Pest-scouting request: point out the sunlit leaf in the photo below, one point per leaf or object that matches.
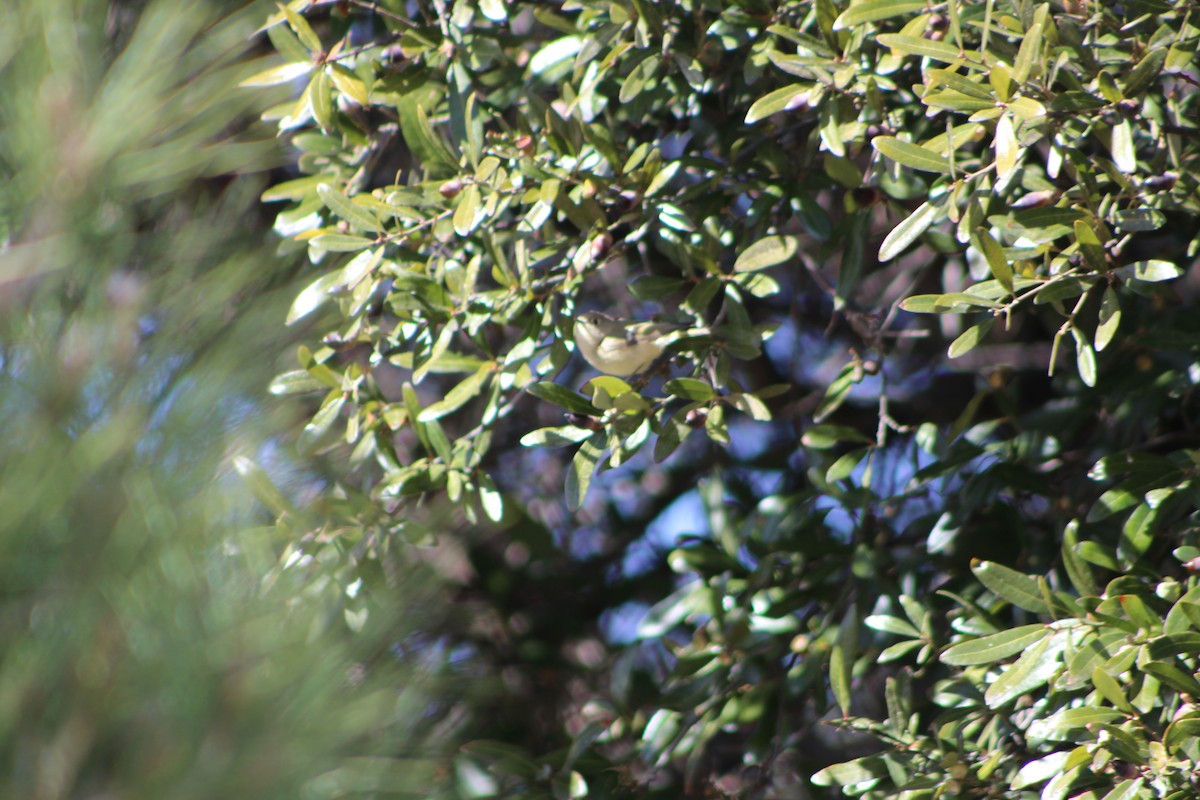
(911, 155)
(766, 253)
(996, 647)
(904, 234)
(873, 11)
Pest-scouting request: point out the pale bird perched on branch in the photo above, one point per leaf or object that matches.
(620, 347)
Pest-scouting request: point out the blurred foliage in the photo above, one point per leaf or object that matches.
(926, 447)
(152, 643)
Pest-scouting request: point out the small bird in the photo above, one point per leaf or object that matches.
(620, 347)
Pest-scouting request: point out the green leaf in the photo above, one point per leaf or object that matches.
(1174, 676)
(287, 44)
(1006, 148)
(295, 382)
(674, 431)
(1125, 790)
(1108, 320)
(638, 78)
(303, 30)
(839, 389)
(340, 243)
(1139, 220)
(873, 11)
(323, 419)
(898, 650)
(911, 155)
(961, 84)
(1061, 724)
(702, 294)
(563, 397)
(952, 303)
(1090, 245)
(1078, 571)
(420, 136)
(917, 613)
(766, 253)
(962, 102)
(917, 46)
(776, 101)
(347, 209)
(841, 469)
(841, 660)
(997, 261)
(1180, 732)
(1098, 554)
(823, 437)
(466, 215)
(661, 178)
(1017, 588)
(907, 232)
(349, 84)
(1085, 358)
(1029, 54)
(583, 467)
(555, 437)
(1174, 644)
(690, 389)
(1039, 770)
(490, 499)
(555, 52)
(1036, 666)
(457, 397)
(655, 287)
(1150, 271)
(890, 624)
(313, 296)
(262, 487)
(1046, 216)
(1146, 72)
(969, 338)
(1121, 145)
(850, 773)
(1108, 687)
(320, 99)
(297, 189)
(284, 73)
(495, 11)
(993, 648)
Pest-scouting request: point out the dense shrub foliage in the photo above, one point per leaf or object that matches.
(912, 503)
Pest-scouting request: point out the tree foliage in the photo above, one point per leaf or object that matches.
(925, 446)
(152, 645)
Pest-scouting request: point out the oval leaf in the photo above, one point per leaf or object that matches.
(995, 647)
(1016, 587)
(766, 253)
(911, 155)
(907, 231)
(774, 102)
(873, 11)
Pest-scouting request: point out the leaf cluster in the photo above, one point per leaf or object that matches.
(971, 186)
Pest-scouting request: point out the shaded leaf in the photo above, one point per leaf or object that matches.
(563, 397)
(583, 467)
